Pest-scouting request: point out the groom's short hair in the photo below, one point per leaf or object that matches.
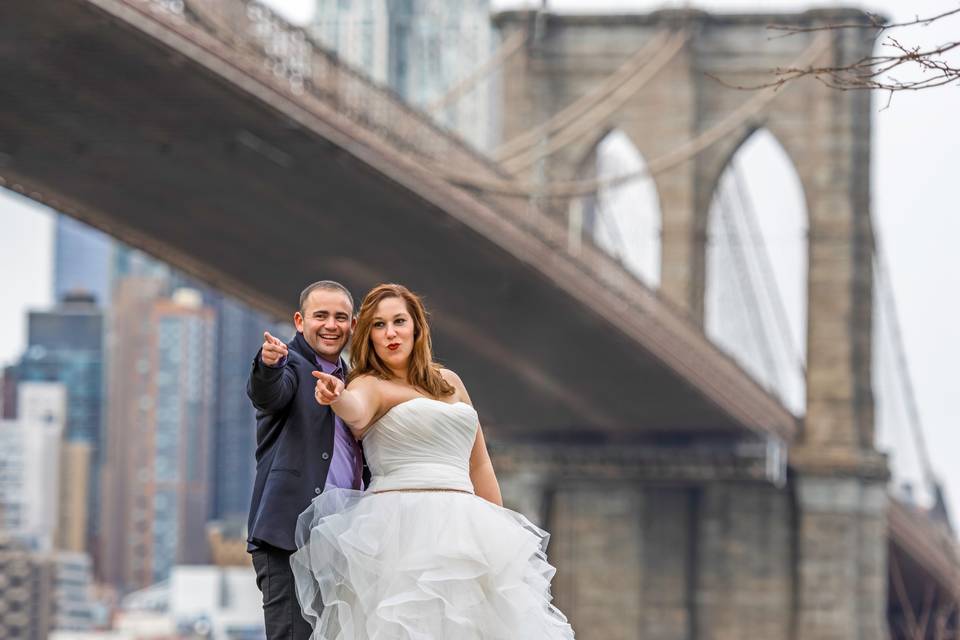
(329, 285)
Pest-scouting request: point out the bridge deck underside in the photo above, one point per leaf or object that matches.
(924, 588)
(116, 129)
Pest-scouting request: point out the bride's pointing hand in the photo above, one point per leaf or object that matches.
(328, 387)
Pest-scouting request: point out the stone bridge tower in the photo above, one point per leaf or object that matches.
(641, 557)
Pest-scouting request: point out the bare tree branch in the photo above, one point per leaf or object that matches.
(926, 68)
(876, 21)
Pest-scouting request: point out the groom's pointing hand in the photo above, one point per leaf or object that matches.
(273, 350)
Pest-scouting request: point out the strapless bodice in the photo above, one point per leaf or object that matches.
(422, 443)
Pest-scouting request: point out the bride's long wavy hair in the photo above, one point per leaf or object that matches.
(422, 371)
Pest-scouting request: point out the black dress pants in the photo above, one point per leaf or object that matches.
(281, 610)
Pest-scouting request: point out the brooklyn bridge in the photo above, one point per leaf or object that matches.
(686, 499)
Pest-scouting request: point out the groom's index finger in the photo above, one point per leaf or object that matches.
(267, 337)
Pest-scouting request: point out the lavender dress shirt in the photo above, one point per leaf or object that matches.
(346, 467)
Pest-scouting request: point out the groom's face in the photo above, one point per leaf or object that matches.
(326, 321)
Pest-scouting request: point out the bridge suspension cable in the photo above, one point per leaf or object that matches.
(765, 268)
(746, 315)
(746, 284)
(603, 216)
(601, 109)
(734, 121)
(900, 369)
(507, 50)
(523, 143)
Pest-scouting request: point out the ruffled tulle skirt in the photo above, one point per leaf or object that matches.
(423, 566)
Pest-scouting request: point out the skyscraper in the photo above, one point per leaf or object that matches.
(82, 259)
(87, 260)
(74, 521)
(128, 262)
(239, 334)
(65, 345)
(121, 555)
(421, 49)
(182, 448)
(73, 608)
(42, 592)
(8, 392)
(158, 473)
(29, 477)
(13, 492)
(27, 592)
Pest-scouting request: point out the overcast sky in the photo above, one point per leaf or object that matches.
(914, 171)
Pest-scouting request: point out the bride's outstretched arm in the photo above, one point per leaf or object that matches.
(356, 405)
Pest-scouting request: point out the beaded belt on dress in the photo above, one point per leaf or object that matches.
(420, 490)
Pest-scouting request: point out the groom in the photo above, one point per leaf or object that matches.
(302, 446)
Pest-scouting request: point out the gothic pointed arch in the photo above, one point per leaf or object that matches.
(755, 297)
(624, 220)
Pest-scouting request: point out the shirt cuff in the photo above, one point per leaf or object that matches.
(279, 365)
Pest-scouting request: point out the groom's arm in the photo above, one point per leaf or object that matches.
(271, 387)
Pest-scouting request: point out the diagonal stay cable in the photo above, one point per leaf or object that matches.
(594, 117)
(689, 149)
(745, 281)
(766, 269)
(507, 49)
(906, 386)
(569, 114)
(606, 215)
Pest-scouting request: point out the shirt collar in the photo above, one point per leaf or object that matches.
(326, 366)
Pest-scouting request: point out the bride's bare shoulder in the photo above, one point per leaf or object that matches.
(450, 375)
(460, 391)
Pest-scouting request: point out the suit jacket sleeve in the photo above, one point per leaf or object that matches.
(271, 388)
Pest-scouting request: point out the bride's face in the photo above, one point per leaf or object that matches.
(392, 332)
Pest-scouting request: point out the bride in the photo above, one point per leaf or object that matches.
(427, 552)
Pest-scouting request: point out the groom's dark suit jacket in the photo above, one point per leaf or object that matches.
(295, 438)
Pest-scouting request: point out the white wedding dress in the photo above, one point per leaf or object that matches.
(422, 565)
